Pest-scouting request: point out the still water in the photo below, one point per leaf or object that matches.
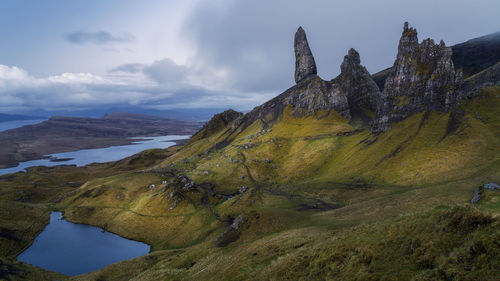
(73, 249)
(98, 155)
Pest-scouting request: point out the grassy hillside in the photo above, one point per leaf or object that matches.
(325, 148)
(319, 198)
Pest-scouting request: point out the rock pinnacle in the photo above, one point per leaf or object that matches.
(305, 65)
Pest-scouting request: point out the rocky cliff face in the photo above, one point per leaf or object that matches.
(305, 66)
(423, 78)
(355, 81)
(351, 92)
(317, 94)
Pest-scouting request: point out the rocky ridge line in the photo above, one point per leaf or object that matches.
(423, 78)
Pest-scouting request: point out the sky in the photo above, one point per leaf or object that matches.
(197, 54)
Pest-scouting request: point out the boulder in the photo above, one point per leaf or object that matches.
(491, 186)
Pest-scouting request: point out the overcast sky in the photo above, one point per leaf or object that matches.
(164, 54)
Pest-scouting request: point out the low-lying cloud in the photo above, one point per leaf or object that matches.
(129, 67)
(98, 38)
(161, 85)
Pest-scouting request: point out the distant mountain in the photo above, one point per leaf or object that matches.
(477, 54)
(13, 117)
(191, 114)
(62, 133)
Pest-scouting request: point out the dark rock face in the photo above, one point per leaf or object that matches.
(315, 95)
(380, 77)
(423, 78)
(305, 98)
(470, 57)
(305, 65)
(355, 81)
(353, 89)
(477, 54)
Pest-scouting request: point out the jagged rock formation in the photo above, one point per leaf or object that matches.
(305, 98)
(423, 78)
(305, 66)
(471, 57)
(315, 95)
(351, 92)
(354, 80)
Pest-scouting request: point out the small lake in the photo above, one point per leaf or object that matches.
(74, 249)
(98, 155)
(7, 125)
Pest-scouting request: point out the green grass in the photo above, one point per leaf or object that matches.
(322, 200)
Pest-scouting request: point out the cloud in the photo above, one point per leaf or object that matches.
(166, 71)
(227, 53)
(175, 76)
(129, 68)
(253, 40)
(160, 85)
(98, 38)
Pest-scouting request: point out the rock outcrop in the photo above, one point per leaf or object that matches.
(423, 78)
(352, 91)
(305, 98)
(491, 186)
(476, 195)
(470, 57)
(318, 94)
(230, 234)
(356, 82)
(305, 66)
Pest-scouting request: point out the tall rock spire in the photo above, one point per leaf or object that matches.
(305, 65)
